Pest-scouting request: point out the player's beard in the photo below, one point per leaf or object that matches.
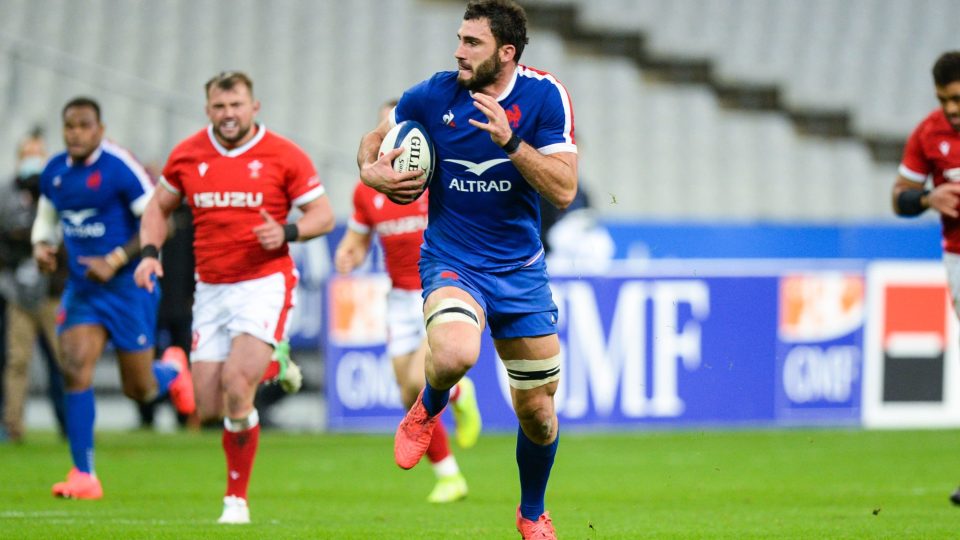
(242, 132)
(484, 74)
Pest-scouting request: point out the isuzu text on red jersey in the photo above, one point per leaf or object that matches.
(400, 227)
(227, 189)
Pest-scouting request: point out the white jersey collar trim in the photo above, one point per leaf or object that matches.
(234, 152)
(506, 91)
(91, 159)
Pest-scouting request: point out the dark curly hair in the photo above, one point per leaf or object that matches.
(508, 21)
(947, 68)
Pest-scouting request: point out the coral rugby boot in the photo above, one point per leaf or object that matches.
(79, 485)
(541, 529)
(181, 388)
(414, 434)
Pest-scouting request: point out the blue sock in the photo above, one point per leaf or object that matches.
(165, 374)
(434, 400)
(534, 462)
(81, 411)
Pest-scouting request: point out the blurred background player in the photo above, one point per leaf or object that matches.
(31, 298)
(241, 181)
(933, 151)
(503, 135)
(98, 191)
(400, 229)
(174, 318)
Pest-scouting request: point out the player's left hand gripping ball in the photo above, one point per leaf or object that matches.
(417, 154)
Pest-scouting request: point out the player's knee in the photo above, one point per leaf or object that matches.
(538, 424)
(446, 370)
(450, 358)
(140, 391)
(75, 374)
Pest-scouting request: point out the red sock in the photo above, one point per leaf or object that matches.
(455, 393)
(240, 448)
(439, 445)
(273, 369)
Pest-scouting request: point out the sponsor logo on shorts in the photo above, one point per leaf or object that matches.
(449, 274)
(195, 339)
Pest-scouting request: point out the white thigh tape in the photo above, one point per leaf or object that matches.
(452, 310)
(527, 374)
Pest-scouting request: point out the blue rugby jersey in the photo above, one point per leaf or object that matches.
(99, 203)
(482, 212)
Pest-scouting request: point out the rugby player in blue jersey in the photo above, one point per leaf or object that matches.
(93, 194)
(503, 135)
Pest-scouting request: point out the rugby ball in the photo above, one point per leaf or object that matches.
(417, 152)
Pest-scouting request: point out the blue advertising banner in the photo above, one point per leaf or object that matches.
(639, 349)
(820, 348)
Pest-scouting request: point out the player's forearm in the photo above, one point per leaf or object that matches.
(351, 251)
(317, 220)
(553, 177)
(153, 226)
(45, 224)
(369, 148)
(121, 255)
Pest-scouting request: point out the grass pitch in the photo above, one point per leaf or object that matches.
(735, 485)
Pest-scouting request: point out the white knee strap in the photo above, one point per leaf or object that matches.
(528, 374)
(236, 425)
(451, 310)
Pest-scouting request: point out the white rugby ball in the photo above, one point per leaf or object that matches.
(417, 152)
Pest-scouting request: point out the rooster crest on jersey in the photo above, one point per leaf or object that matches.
(417, 152)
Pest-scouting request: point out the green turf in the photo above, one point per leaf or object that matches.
(736, 485)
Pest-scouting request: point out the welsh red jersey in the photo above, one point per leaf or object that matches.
(226, 190)
(934, 149)
(400, 228)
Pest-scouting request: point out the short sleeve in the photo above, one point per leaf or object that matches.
(171, 178)
(410, 105)
(361, 220)
(303, 182)
(136, 186)
(555, 131)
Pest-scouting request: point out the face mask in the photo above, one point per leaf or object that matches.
(30, 166)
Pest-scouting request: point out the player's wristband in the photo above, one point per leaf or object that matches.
(150, 251)
(117, 258)
(910, 202)
(291, 232)
(512, 145)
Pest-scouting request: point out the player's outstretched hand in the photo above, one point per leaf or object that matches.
(98, 269)
(270, 232)
(498, 126)
(143, 275)
(46, 257)
(381, 176)
(945, 199)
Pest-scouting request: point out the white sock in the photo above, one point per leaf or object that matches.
(446, 467)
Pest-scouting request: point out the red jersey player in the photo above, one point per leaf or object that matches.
(933, 151)
(400, 228)
(240, 180)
